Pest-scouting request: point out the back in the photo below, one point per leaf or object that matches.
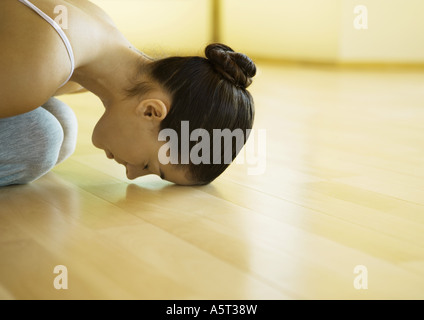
(33, 60)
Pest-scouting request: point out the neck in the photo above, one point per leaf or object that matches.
(111, 74)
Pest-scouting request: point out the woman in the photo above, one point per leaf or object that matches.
(141, 96)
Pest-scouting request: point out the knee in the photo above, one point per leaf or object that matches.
(33, 169)
(34, 152)
(67, 119)
(36, 164)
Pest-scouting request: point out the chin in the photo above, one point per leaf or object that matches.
(95, 141)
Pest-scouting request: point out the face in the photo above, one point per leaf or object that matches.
(128, 133)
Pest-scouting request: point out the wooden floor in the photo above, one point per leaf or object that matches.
(343, 187)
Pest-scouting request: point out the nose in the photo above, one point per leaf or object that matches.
(135, 172)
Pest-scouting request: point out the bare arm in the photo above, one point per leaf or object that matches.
(69, 88)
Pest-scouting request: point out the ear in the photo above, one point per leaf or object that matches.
(152, 109)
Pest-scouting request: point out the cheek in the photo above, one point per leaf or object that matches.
(139, 149)
(135, 150)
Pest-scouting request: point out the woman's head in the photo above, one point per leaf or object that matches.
(198, 93)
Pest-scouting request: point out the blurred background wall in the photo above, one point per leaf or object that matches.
(293, 30)
(395, 32)
(162, 27)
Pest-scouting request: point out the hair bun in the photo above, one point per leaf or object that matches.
(233, 66)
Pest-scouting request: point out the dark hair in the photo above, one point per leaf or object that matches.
(210, 93)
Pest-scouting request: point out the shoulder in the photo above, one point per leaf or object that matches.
(33, 60)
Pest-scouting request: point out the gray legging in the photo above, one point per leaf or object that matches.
(31, 144)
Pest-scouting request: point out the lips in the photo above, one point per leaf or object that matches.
(125, 164)
(121, 162)
(109, 154)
